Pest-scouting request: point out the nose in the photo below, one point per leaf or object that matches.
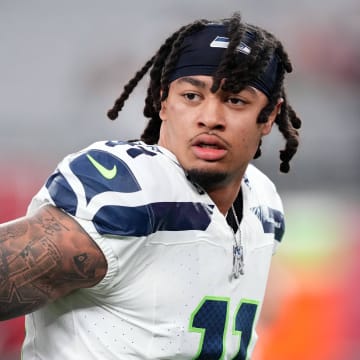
(212, 115)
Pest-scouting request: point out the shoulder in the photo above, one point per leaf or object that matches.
(256, 176)
(127, 184)
(104, 155)
(260, 184)
(264, 202)
(107, 166)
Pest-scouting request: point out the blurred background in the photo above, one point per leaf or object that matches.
(63, 64)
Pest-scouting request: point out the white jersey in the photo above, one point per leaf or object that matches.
(169, 292)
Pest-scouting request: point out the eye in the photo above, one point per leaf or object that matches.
(236, 101)
(190, 96)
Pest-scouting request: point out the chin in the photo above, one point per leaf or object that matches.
(207, 179)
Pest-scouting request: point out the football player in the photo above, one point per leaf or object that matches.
(160, 248)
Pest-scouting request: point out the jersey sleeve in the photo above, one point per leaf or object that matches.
(100, 191)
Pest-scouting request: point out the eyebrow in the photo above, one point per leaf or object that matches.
(253, 91)
(250, 89)
(203, 85)
(193, 81)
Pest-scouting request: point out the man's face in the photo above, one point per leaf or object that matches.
(214, 135)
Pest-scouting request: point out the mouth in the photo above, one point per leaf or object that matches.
(209, 147)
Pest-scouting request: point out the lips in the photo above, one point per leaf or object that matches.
(209, 147)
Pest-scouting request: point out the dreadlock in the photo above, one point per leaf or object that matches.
(231, 75)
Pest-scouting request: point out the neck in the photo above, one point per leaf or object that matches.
(221, 187)
(224, 197)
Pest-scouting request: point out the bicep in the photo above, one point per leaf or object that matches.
(44, 257)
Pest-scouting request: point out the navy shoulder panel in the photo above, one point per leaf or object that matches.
(98, 171)
(272, 221)
(61, 193)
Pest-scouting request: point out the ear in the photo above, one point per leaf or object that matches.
(163, 106)
(276, 111)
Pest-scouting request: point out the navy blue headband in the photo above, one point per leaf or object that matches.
(201, 54)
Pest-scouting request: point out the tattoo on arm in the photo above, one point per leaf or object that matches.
(42, 258)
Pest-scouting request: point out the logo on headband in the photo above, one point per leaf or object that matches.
(223, 42)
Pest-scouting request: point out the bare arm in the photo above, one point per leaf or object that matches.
(42, 258)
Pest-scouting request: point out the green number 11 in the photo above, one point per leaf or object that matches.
(210, 319)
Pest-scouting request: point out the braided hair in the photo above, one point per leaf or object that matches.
(263, 47)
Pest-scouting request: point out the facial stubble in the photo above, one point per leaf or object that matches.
(206, 179)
